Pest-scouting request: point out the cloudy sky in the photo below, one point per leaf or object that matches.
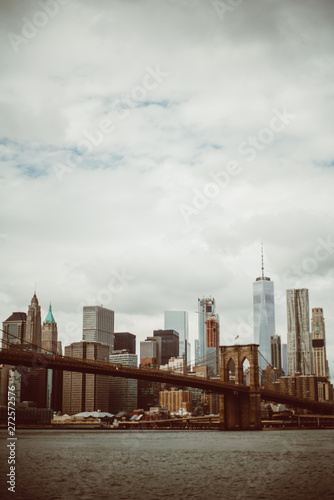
(147, 149)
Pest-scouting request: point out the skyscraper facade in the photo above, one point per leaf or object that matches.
(300, 359)
(212, 345)
(33, 331)
(264, 316)
(49, 333)
(98, 325)
(125, 340)
(123, 391)
(178, 321)
(169, 344)
(276, 352)
(13, 329)
(206, 308)
(321, 368)
(86, 391)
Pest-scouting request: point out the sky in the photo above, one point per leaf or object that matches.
(148, 147)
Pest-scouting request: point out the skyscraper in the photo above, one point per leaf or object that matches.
(321, 368)
(178, 321)
(206, 308)
(13, 329)
(276, 356)
(264, 316)
(98, 325)
(86, 391)
(33, 332)
(49, 333)
(299, 337)
(212, 345)
(123, 391)
(169, 344)
(125, 340)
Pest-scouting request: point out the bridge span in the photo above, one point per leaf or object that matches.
(240, 404)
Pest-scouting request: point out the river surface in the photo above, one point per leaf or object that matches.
(69, 464)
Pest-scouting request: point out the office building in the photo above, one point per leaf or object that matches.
(123, 391)
(178, 321)
(98, 325)
(150, 352)
(13, 329)
(169, 344)
(49, 333)
(150, 357)
(206, 308)
(33, 330)
(212, 346)
(125, 340)
(276, 353)
(321, 368)
(264, 316)
(300, 358)
(284, 352)
(86, 391)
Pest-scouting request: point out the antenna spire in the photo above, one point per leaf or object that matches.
(262, 261)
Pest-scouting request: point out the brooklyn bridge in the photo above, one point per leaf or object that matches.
(240, 404)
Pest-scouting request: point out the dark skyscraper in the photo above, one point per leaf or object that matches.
(276, 356)
(33, 333)
(169, 344)
(125, 340)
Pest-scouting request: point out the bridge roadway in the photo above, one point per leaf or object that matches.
(38, 360)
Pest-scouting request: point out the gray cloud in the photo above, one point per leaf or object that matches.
(116, 205)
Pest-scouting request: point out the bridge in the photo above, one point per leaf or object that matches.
(240, 404)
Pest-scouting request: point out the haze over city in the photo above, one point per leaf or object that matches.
(148, 148)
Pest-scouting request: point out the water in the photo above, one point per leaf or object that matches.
(151, 465)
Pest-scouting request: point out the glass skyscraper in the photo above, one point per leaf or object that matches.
(98, 325)
(178, 321)
(264, 316)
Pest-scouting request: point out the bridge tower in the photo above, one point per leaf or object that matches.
(240, 411)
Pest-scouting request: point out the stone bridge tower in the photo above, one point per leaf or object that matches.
(239, 410)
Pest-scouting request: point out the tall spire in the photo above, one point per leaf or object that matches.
(49, 318)
(262, 261)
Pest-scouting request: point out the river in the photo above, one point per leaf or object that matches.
(69, 464)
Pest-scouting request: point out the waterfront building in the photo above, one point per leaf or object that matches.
(123, 391)
(85, 391)
(300, 359)
(169, 344)
(98, 325)
(125, 340)
(33, 330)
(264, 316)
(321, 368)
(178, 321)
(176, 400)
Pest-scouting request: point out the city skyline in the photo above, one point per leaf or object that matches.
(139, 340)
(221, 137)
